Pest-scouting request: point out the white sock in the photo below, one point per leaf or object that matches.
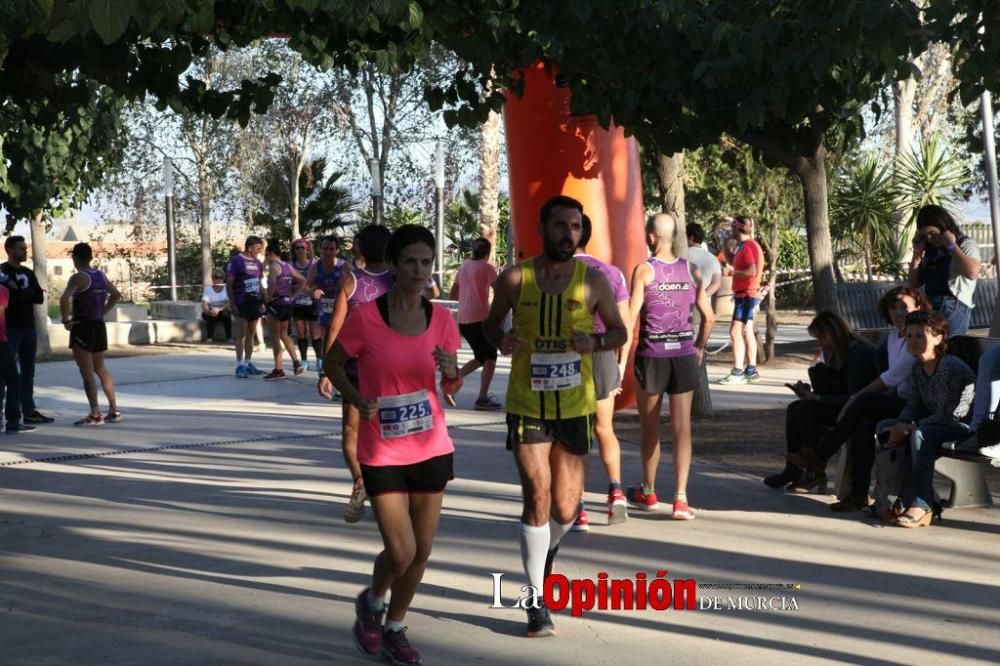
(534, 550)
(375, 603)
(557, 532)
(393, 625)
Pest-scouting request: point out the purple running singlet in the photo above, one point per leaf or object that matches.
(618, 284)
(368, 286)
(665, 329)
(88, 304)
(246, 274)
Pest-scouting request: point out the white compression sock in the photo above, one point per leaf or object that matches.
(534, 549)
(557, 532)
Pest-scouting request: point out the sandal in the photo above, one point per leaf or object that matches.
(924, 520)
(90, 420)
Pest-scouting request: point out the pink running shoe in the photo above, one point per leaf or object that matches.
(617, 507)
(367, 631)
(682, 511)
(398, 649)
(637, 499)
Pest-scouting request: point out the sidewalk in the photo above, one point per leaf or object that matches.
(219, 539)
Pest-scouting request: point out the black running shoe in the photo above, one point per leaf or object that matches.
(540, 623)
(37, 418)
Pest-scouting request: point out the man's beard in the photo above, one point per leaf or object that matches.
(555, 253)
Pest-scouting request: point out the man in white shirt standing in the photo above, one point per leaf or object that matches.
(708, 265)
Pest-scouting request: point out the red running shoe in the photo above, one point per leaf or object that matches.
(637, 499)
(367, 631)
(617, 507)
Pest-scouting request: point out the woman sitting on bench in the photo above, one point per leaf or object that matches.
(883, 398)
(848, 364)
(940, 398)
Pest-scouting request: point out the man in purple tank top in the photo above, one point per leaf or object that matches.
(665, 291)
(609, 368)
(282, 282)
(361, 285)
(88, 296)
(243, 275)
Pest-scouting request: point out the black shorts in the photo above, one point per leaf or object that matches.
(280, 311)
(576, 434)
(91, 336)
(482, 350)
(304, 312)
(428, 476)
(249, 310)
(606, 375)
(674, 375)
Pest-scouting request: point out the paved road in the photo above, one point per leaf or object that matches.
(212, 534)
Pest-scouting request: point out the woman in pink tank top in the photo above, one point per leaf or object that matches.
(400, 341)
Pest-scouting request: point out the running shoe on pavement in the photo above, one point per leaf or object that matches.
(582, 522)
(540, 623)
(319, 365)
(113, 417)
(751, 375)
(37, 418)
(274, 374)
(617, 507)
(734, 377)
(367, 630)
(637, 499)
(682, 511)
(488, 404)
(241, 372)
(398, 649)
(90, 420)
(253, 369)
(297, 368)
(355, 510)
(17, 428)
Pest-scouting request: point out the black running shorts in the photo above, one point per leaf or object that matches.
(678, 374)
(576, 434)
(304, 313)
(280, 311)
(249, 310)
(482, 350)
(428, 476)
(91, 336)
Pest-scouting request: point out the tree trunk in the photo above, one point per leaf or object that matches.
(489, 180)
(205, 228)
(903, 96)
(40, 264)
(670, 177)
(771, 320)
(295, 164)
(812, 174)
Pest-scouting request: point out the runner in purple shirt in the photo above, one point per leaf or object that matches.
(609, 368)
(361, 285)
(665, 291)
(88, 296)
(282, 282)
(243, 275)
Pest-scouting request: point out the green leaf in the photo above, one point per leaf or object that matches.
(109, 18)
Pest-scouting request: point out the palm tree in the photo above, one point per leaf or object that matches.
(863, 209)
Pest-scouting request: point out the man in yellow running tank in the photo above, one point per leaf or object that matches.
(551, 398)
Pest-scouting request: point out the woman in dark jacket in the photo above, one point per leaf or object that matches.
(847, 366)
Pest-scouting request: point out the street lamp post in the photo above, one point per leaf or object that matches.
(168, 194)
(439, 213)
(376, 190)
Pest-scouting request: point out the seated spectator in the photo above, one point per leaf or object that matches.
(847, 366)
(940, 398)
(882, 398)
(946, 264)
(985, 425)
(215, 306)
